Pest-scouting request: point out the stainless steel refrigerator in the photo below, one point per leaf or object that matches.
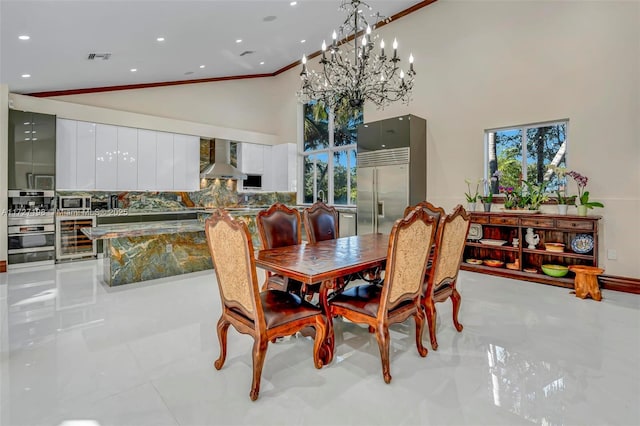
(392, 172)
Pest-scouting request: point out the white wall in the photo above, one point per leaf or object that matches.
(249, 104)
(480, 65)
(4, 153)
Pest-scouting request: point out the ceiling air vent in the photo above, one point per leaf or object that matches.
(94, 56)
(247, 52)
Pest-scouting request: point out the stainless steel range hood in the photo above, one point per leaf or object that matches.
(221, 168)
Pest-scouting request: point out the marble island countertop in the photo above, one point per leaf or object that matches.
(105, 232)
(249, 209)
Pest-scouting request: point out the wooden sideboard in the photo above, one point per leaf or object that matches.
(550, 228)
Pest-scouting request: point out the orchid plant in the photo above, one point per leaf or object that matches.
(472, 197)
(583, 195)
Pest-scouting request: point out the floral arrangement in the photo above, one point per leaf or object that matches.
(530, 199)
(472, 197)
(561, 192)
(583, 195)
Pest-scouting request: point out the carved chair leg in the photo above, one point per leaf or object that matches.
(382, 336)
(223, 327)
(420, 320)
(455, 299)
(430, 310)
(259, 354)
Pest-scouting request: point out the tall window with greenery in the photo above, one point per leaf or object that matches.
(523, 154)
(329, 159)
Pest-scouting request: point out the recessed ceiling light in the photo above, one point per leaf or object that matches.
(34, 139)
(293, 3)
(27, 139)
(160, 39)
(27, 131)
(303, 41)
(239, 40)
(262, 63)
(26, 75)
(133, 69)
(201, 66)
(24, 37)
(26, 123)
(269, 18)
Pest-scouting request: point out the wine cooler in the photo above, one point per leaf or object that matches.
(71, 243)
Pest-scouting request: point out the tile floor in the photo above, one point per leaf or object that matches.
(74, 352)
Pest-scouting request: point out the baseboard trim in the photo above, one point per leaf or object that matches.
(3, 266)
(625, 284)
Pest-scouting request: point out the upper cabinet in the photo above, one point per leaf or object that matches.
(251, 158)
(282, 168)
(103, 157)
(32, 150)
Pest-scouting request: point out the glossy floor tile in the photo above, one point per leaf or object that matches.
(75, 352)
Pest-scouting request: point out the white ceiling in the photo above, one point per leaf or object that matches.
(204, 32)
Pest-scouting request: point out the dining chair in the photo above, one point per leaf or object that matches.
(430, 209)
(321, 222)
(279, 226)
(263, 315)
(440, 283)
(399, 296)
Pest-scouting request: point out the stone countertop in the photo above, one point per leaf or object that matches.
(141, 229)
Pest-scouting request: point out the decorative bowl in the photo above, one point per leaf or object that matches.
(530, 270)
(555, 270)
(582, 243)
(493, 263)
(555, 247)
(474, 261)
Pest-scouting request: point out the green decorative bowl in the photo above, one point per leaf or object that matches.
(555, 270)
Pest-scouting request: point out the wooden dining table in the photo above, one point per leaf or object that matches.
(325, 263)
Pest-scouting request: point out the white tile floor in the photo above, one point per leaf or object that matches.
(73, 349)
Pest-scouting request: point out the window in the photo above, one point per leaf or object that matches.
(524, 154)
(329, 158)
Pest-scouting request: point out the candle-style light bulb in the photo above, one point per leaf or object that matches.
(324, 49)
(368, 29)
(364, 41)
(401, 75)
(304, 60)
(411, 62)
(303, 74)
(382, 48)
(395, 48)
(335, 37)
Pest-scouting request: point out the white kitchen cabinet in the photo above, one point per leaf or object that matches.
(283, 167)
(66, 149)
(147, 156)
(75, 155)
(268, 178)
(127, 175)
(164, 163)
(186, 162)
(106, 157)
(86, 156)
(251, 158)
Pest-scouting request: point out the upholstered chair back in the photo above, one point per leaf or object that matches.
(279, 226)
(231, 250)
(321, 222)
(409, 247)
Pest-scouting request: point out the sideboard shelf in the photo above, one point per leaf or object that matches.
(549, 227)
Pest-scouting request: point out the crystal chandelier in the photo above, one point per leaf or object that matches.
(356, 73)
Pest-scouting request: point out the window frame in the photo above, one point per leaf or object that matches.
(523, 145)
(330, 150)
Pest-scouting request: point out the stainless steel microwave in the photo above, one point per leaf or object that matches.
(74, 202)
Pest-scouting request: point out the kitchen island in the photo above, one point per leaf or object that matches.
(135, 252)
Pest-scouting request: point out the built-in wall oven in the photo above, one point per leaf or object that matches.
(30, 228)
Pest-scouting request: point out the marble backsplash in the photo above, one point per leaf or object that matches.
(217, 193)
